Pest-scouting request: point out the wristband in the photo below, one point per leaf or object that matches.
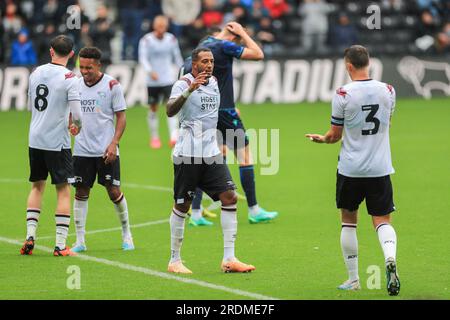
(186, 93)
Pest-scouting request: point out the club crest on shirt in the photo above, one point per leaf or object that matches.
(112, 83)
(69, 75)
(101, 94)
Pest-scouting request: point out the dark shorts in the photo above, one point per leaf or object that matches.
(86, 169)
(158, 94)
(229, 121)
(57, 163)
(350, 192)
(191, 173)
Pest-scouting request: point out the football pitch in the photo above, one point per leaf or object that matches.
(297, 256)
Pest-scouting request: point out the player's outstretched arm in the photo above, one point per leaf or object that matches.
(332, 136)
(174, 105)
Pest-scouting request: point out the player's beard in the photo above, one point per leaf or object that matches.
(200, 70)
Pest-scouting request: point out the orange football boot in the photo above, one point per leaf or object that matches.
(28, 246)
(66, 252)
(235, 265)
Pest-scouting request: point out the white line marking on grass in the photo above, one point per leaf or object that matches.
(126, 185)
(153, 273)
(140, 225)
(5, 180)
(148, 187)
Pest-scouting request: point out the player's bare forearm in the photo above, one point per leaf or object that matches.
(332, 136)
(121, 123)
(174, 105)
(111, 151)
(75, 117)
(256, 52)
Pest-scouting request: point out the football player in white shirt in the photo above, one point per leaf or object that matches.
(361, 113)
(96, 149)
(53, 98)
(158, 51)
(198, 162)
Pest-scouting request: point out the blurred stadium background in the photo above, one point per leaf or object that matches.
(303, 42)
(290, 90)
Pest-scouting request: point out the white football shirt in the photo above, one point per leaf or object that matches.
(160, 55)
(99, 102)
(198, 119)
(364, 108)
(50, 88)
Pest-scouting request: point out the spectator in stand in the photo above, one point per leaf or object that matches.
(43, 43)
(52, 12)
(212, 15)
(443, 39)
(12, 23)
(257, 12)
(277, 8)
(315, 24)
(131, 17)
(101, 33)
(22, 51)
(194, 32)
(235, 11)
(428, 25)
(430, 6)
(266, 35)
(426, 30)
(344, 34)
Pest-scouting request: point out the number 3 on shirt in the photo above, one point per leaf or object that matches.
(373, 108)
(41, 95)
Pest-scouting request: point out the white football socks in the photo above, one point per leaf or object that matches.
(62, 229)
(121, 208)
(80, 211)
(196, 214)
(172, 123)
(228, 219)
(254, 210)
(349, 245)
(32, 221)
(176, 234)
(388, 240)
(153, 124)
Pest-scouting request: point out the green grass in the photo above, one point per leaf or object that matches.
(297, 256)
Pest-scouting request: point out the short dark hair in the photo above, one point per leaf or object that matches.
(90, 53)
(62, 45)
(196, 52)
(357, 55)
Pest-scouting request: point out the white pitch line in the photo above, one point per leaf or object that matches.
(154, 273)
(140, 225)
(5, 180)
(126, 185)
(148, 187)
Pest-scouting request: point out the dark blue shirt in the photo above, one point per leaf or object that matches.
(223, 51)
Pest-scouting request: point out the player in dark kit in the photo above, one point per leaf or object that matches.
(225, 49)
